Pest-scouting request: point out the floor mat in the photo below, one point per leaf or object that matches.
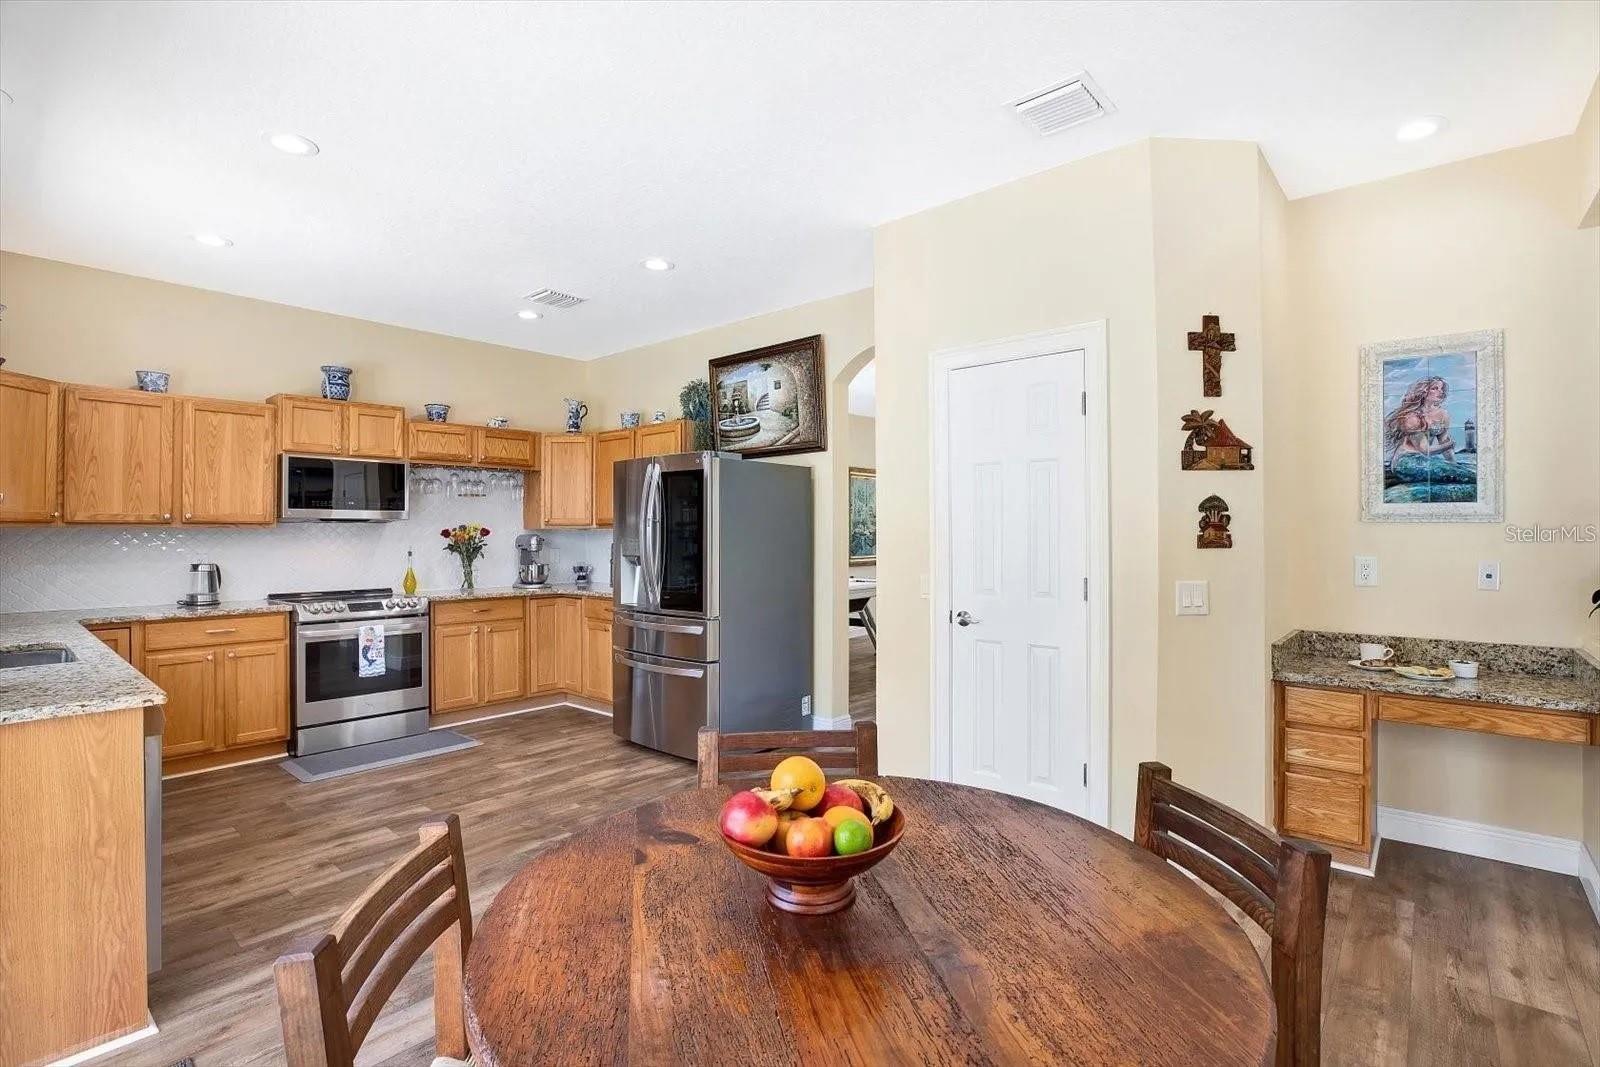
(342, 761)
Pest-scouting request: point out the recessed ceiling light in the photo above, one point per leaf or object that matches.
(293, 144)
(211, 240)
(528, 314)
(657, 263)
(1418, 128)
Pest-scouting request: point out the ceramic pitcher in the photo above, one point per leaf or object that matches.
(576, 410)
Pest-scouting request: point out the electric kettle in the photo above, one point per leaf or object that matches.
(205, 582)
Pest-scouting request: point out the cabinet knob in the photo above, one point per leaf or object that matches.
(166, 517)
(53, 514)
(2, 496)
(210, 656)
(187, 516)
(230, 655)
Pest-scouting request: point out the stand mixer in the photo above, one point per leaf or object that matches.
(531, 572)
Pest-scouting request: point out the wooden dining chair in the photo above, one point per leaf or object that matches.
(749, 757)
(332, 986)
(1279, 882)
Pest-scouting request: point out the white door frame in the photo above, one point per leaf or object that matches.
(1090, 339)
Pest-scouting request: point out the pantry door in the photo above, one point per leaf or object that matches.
(1017, 620)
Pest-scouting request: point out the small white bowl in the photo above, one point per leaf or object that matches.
(1463, 668)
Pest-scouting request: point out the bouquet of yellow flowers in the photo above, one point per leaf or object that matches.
(467, 541)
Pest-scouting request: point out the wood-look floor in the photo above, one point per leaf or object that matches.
(863, 679)
(1440, 959)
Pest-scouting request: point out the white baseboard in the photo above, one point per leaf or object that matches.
(110, 1046)
(1523, 847)
(822, 722)
(1589, 875)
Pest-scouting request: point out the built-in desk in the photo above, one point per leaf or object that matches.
(1326, 712)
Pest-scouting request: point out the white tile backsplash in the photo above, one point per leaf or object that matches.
(47, 568)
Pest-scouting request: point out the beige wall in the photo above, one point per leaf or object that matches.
(863, 432)
(96, 327)
(650, 377)
(1587, 199)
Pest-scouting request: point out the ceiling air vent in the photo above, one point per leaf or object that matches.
(1060, 106)
(551, 298)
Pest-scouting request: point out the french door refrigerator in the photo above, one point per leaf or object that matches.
(711, 576)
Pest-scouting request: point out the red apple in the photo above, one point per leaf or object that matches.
(809, 837)
(748, 819)
(836, 796)
(780, 839)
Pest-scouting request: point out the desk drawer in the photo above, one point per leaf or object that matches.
(1321, 808)
(502, 609)
(1573, 729)
(190, 633)
(1335, 709)
(1324, 749)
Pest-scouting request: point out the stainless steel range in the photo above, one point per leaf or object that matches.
(337, 702)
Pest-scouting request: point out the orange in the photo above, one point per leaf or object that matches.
(799, 772)
(839, 813)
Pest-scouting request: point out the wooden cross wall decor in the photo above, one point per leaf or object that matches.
(1211, 341)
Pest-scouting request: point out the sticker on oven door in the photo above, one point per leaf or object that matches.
(369, 652)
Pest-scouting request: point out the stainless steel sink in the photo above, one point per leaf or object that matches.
(34, 657)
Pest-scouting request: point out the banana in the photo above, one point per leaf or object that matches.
(780, 799)
(873, 795)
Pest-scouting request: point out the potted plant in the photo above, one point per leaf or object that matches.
(467, 541)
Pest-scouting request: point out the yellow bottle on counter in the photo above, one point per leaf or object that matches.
(409, 582)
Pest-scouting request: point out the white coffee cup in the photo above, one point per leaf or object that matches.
(1464, 668)
(1372, 650)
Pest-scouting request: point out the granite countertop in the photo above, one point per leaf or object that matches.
(99, 681)
(1529, 676)
(496, 592)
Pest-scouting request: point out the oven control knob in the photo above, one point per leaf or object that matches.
(313, 609)
(337, 607)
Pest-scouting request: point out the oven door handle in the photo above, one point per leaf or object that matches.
(677, 672)
(308, 636)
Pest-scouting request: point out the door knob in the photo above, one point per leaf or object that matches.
(964, 618)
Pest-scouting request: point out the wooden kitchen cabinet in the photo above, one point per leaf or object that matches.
(1323, 769)
(566, 482)
(374, 431)
(515, 449)
(504, 661)
(227, 457)
(189, 678)
(227, 685)
(663, 438)
(456, 667)
(255, 693)
(610, 448)
(117, 455)
(441, 442)
(597, 649)
(479, 653)
(118, 639)
(555, 644)
(30, 449)
(309, 424)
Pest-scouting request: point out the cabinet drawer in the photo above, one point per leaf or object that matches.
(1572, 729)
(1324, 808)
(190, 633)
(503, 609)
(1323, 707)
(596, 608)
(1324, 749)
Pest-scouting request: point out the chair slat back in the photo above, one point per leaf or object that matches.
(748, 758)
(1280, 883)
(332, 987)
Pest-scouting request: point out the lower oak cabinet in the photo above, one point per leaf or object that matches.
(555, 644)
(1324, 769)
(479, 653)
(597, 649)
(226, 679)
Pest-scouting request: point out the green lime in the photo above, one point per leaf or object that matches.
(850, 837)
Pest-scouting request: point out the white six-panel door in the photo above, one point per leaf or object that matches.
(1018, 563)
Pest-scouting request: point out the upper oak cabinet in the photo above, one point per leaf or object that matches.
(374, 431)
(226, 453)
(610, 448)
(117, 455)
(663, 438)
(507, 448)
(312, 425)
(442, 442)
(566, 483)
(30, 449)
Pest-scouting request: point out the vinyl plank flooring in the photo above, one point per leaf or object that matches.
(863, 679)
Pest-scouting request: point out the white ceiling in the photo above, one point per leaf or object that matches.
(474, 152)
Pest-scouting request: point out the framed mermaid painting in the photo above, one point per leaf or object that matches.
(1432, 440)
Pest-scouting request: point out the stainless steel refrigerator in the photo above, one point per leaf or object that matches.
(711, 574)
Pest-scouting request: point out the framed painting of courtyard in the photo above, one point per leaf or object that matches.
(1432, 429)
(771, 401)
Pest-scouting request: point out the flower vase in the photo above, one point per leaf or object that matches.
(467, 585)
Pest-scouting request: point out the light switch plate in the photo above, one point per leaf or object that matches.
(1366, 570)
(1489, 575)
(1194, 598)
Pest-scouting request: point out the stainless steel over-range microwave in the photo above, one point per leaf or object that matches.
(343, 490)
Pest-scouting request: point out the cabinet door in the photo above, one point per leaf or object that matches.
(310, 425)
(30, 449)
(504, 655)
(555, 638)
(255, 693)
(569, 624)
(597, 659)
(663, 438)
(228, 454)
(440, 442)
(374, 431)
(457, 666)
(507, 448)
(566, 480)
(117, 455)
(118, 639)
(189, 677)
(609, 448)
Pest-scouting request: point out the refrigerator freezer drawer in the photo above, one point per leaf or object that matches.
(672, 636)
(661, 703)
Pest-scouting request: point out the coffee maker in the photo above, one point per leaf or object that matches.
(531, 572)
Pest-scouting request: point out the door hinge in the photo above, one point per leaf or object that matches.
(1085, 397)
(1085, 774)
(1086, 587)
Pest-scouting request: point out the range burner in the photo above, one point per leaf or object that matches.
(333, 605)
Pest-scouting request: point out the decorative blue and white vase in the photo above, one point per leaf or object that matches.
(336, 382)
(576, 410)
(436, 412)
(659, 416)
(499, 422)
(630, 419)
(152, 381)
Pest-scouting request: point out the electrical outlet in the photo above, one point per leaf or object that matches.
(1489, 575)
(1193, 598)
(1366, 570)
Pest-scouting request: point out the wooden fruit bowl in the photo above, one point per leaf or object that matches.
(818, 885)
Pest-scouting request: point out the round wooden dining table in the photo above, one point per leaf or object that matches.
(998, 931)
